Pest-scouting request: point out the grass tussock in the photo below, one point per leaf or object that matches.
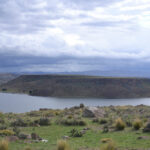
(119, 124)
(4, 145)
(109, 146)
(106, 140)
(137, 124)
(6, 132)
(62, 145)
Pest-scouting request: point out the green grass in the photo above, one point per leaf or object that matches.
(125, 139)
(92, 139)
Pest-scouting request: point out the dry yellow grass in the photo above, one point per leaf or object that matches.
(4, 145)
(109, 146)
(119, 124)
(62, 145)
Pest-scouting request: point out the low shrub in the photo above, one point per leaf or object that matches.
(105, 129)
(57, 113)
(145, 120)
(23, 136)
(43, 122)
(72, 122)
(128, 123)
(137, 124)
(3, 127)
(19, 123)
(2, 121)
(75, 133)
(3, 145)
(6, 132)
(62, 145)
(102, 121)
(70, 117)
(119, 124)
(16, 130)
(2, 117)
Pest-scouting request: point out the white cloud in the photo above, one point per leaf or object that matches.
(120, 29)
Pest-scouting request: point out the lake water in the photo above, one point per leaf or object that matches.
(19, 103)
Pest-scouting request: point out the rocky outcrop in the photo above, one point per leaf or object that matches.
(91, 112)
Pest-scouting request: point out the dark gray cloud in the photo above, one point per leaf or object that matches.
(74, 36)
(73, 65)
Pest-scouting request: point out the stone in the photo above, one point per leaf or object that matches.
(86, 128)
(65, 137)
(83, 131)
(44, 141)
(12, 138)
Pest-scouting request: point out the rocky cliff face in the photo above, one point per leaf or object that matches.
(80, 86)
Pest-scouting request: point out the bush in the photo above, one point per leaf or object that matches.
(57, 113)
(103, 121)
(23, 136)
(128, 123)
(119, 124)
(6, 132)
(62, 145)
(3, 127)
(137, 124)
(70, 117)
(19, 122)
(72, 122)
(16, 130)
(109, 146)
(105, 129)
(4, 145)
(75, 133)
(43, 122)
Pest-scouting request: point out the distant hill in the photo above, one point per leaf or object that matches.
(7, 77)
(79, 86)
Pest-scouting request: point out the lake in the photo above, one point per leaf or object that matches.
(19, 103)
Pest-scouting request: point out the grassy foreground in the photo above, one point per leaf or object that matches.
(79, 132)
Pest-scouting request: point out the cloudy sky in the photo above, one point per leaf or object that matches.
(103, 37)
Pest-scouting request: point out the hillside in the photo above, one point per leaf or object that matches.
(83, 128)
(6, 77)
(79, 86)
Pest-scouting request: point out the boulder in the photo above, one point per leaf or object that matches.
(12, 138)
(65, 137)
(91, 112)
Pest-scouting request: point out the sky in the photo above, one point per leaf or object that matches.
(99, 37)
